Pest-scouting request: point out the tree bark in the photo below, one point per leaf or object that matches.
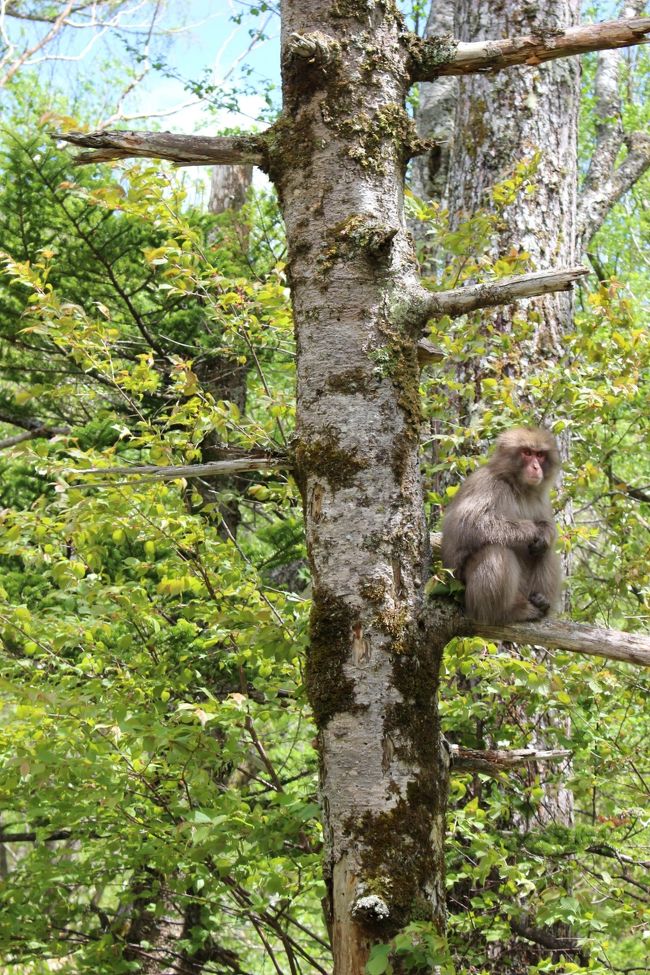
(435, 114)
(371, 674)
(228, 187)
(503, 119)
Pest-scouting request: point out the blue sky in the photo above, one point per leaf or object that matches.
(214, 48)
(193, 40)
(211, 44)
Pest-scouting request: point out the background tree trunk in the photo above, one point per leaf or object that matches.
(435, 115)
(228, 187)
(500, 120)
(496, 123)
(223, 377)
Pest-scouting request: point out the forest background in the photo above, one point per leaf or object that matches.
(158, 779)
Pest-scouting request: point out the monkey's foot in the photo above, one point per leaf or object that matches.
(540, 601)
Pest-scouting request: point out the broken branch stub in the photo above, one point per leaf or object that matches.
(460, 301)
(631, 648)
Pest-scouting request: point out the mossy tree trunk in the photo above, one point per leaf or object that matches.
(339, 162)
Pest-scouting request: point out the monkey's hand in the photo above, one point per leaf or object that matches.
(539, 600)
(544, 534)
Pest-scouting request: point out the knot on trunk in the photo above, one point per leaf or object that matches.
(315, 46)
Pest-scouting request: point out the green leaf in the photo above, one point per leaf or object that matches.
(379, 961)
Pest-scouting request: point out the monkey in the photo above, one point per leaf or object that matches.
(498, 532)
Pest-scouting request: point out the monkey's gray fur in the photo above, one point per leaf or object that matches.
(498, 533)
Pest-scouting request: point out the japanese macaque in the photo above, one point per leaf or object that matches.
(498, 531)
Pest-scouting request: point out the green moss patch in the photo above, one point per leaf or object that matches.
(328, 689)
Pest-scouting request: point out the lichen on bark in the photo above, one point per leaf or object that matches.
(323, 456)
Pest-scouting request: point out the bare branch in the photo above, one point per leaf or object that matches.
(440, 55)
(494, 761)
(184, 150)
(54, 30)
(152, 472)
(21, 437)
(633, 648)
(30, 836)
(601, 849)
(638, 493)
(605, 186)
(502, 292)
(33, 429)
(604, 183)
(32, 424)
(545, 937)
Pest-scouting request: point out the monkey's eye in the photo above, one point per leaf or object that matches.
(541, 455)
(527, 452)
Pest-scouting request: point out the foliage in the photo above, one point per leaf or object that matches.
(506, 862)
(154, 752)
(417, 948)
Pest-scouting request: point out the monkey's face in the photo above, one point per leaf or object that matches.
(527, 457)
(533, 466)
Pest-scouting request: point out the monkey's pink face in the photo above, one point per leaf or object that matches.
(532, 465)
